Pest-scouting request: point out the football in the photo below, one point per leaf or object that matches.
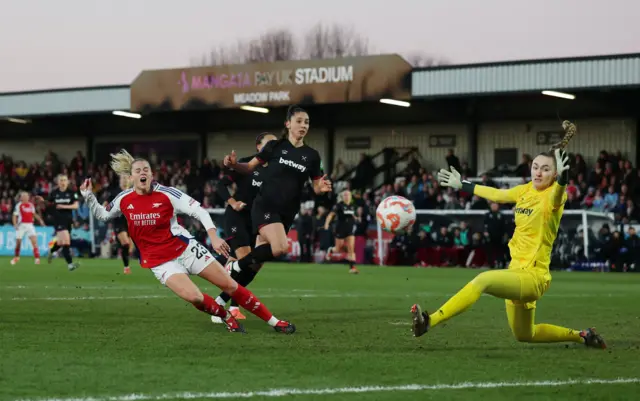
(396, 214)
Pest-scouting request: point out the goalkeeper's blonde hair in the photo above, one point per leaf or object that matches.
(570, 130)
(122, 162)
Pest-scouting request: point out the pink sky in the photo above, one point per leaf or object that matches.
(71, 43)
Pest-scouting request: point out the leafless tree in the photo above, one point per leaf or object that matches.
(275, 45)
(419, 59)
(320, 42)
(333, 41)
(221, 56)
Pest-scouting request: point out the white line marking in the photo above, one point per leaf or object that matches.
(342, 390)
(296, 292)
(123, 297)
(86, 298)
(82, 287)
(417, 296)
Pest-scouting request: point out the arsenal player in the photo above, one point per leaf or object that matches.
(168, 249)
(23, 216)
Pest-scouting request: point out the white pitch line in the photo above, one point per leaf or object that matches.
(417, 296)
(123, 297)
(89, 298)
(342, 390)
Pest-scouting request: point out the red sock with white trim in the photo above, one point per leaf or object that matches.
(36, 252)
(250, 302)
(17, 251)
(210, 306)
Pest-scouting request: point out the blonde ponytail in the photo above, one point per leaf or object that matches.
(570, 130)
(121, 163)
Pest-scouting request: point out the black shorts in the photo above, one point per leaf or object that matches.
(262, 215)
(237, 228)
(63, 225)
(344, 230)
(120, 225)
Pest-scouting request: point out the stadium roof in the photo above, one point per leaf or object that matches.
(575, 74)
(578, 73)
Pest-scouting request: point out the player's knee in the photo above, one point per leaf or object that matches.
(229, 286)
(523, 336)
(194, 297)
(482, 279)
(279, 249)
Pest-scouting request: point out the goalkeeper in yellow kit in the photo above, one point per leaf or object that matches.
(539, 207)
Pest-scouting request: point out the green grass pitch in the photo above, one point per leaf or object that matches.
(96, 333)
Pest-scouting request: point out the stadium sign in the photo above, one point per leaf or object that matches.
(349, 79)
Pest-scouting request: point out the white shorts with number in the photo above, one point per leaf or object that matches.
(27, 229)
(192, 261)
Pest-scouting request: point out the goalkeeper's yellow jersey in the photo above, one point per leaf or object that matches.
(537, 217)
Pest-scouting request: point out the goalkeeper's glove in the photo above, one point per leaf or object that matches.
(562, 166)
(450, 178)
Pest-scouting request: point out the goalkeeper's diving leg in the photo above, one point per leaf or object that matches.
(521, 289)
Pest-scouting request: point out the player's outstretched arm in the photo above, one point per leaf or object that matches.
(231, 161)
(184, 204)
(558, 194)
(321, 184)
(100, 212)
(453, 180)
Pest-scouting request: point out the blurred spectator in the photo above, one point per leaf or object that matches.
(304, 228)
(452, 160)
(494, 231)
(363, 219)
(612, 184)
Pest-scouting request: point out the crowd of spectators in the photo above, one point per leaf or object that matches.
(612, 185)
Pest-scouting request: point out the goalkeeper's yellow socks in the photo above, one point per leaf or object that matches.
(457, 304)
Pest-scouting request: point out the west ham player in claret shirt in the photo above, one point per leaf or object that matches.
(237, 215)
(23, 215)
(167, 249)
(291, 164)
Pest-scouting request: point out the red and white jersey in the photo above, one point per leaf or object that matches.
(25, 212)
(152, 223)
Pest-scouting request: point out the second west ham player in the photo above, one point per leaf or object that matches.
(23, 216)
(344, 211)
(64, 201)
(237, 215)
(291, 163)
(167, 249)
